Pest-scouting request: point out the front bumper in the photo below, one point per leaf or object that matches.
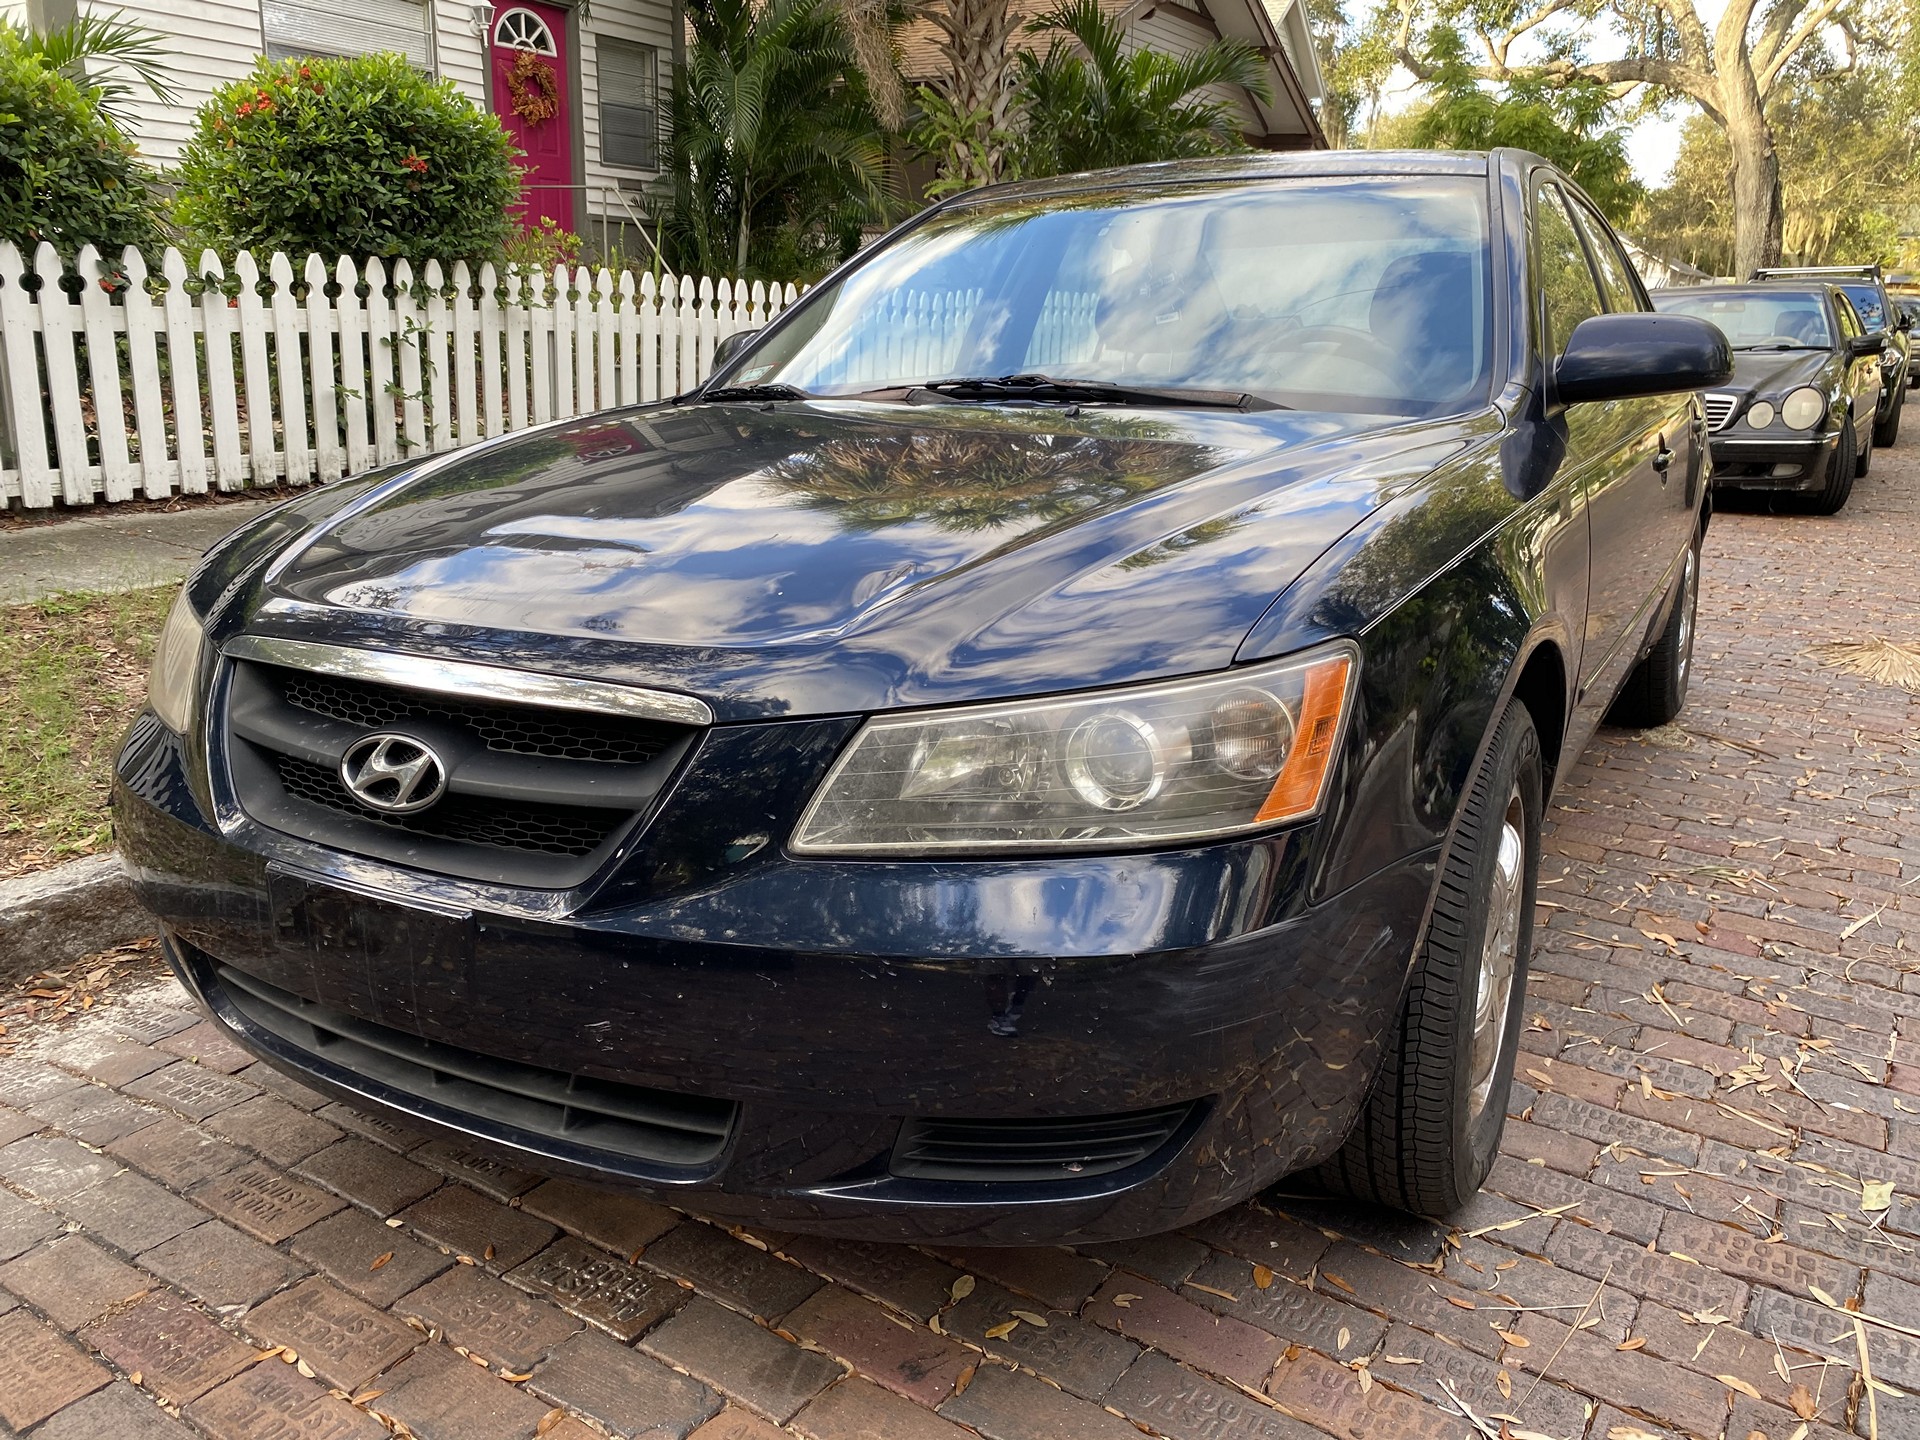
(1769, 463)
(823, 1006)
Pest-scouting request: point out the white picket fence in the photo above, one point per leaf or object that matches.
(144, 385)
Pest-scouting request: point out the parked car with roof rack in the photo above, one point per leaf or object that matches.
(1866, 288)
(1797, 417)
(1051, 737)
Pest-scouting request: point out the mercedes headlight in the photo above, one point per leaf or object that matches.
(1803, 409)
(1760, 415)
(176, 665)
(1150, 764)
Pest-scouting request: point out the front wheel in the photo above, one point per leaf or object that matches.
(1831, 498)
(1656, 689)
(1430, 1129)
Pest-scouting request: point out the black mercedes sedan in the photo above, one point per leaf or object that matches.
(1049, 739)
(1798, 416)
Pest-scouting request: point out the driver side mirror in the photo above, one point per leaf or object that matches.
(1617, 357)
(731, 346)
(1866, 345)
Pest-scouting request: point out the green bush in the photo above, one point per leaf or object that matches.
(360, 157)
(67, 174)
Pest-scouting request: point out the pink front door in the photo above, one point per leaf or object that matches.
(529, 42)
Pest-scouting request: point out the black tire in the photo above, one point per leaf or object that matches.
(1425, 1141)
(1656, 689)
(1886, 431)
(1831, 498)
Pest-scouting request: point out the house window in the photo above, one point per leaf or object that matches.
(293, 28)
(629, 104)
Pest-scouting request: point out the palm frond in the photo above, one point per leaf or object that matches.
(93, 49)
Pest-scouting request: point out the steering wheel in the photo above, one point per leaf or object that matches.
(1343, 340)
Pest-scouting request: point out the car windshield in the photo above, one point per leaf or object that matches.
(1766, 320)
(1349, 294)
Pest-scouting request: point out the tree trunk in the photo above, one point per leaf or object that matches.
(1758, 214)
(746, 217)
(979, 80)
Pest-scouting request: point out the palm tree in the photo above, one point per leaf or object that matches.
(1088, 103)
(772, 130)
(91, 49)
(965, 119)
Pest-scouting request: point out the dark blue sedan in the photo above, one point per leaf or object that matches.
(1051, 738)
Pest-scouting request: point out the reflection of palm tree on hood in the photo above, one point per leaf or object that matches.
(966, 480)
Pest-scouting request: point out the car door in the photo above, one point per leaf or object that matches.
(1863, 371)
(1670, 429)
(1604, 463)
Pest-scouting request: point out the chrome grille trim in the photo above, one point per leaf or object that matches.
(478, 682)
(1720, 406)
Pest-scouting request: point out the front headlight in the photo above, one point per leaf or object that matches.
(1760, 415)
(176, 665)
(1149, 764)
(1803, 409)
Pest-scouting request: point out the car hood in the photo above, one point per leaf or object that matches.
(829, 557)
(1775, 372)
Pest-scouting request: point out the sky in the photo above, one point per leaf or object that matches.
(1653, 144)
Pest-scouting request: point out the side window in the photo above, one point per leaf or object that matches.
(1616, 271)
(1566, 279)
(1849, 322)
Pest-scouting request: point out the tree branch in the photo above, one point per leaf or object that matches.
(1697, 85)
(1768, 67)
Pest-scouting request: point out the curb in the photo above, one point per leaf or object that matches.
(53, 916)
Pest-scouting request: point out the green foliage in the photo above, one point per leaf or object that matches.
(1356, 61)
(776, 157)
(1568, 121)
(1088, 103)
(1849, 166)
(962, 144)
(542, 246)
(67, 174)
(360, 157)
(91, 50)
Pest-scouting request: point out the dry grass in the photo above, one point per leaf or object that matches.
(73, 670)
(1887, 661)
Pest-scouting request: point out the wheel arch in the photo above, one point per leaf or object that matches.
(1542, 687)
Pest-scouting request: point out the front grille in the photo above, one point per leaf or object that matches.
(1720, 404)
(535, 795)
(1047, 1149)
(550, 829)
(508, 728)
(659, 1127)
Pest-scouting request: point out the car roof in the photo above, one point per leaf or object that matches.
(1252, 165)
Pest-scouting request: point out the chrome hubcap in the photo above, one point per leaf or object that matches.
(1689, 600)
(1499, 953)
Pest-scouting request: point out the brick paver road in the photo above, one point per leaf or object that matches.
(1714, 1146)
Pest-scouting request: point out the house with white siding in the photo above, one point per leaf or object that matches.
(609, 66)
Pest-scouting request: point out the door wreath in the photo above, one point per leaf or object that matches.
(531, 90)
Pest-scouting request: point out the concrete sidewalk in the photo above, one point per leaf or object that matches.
(111, 551)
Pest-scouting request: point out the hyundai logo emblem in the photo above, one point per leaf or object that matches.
(394, 774)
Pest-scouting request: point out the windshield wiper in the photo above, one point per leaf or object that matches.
(1098, 392)
(746, 392)
(1782, 347)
